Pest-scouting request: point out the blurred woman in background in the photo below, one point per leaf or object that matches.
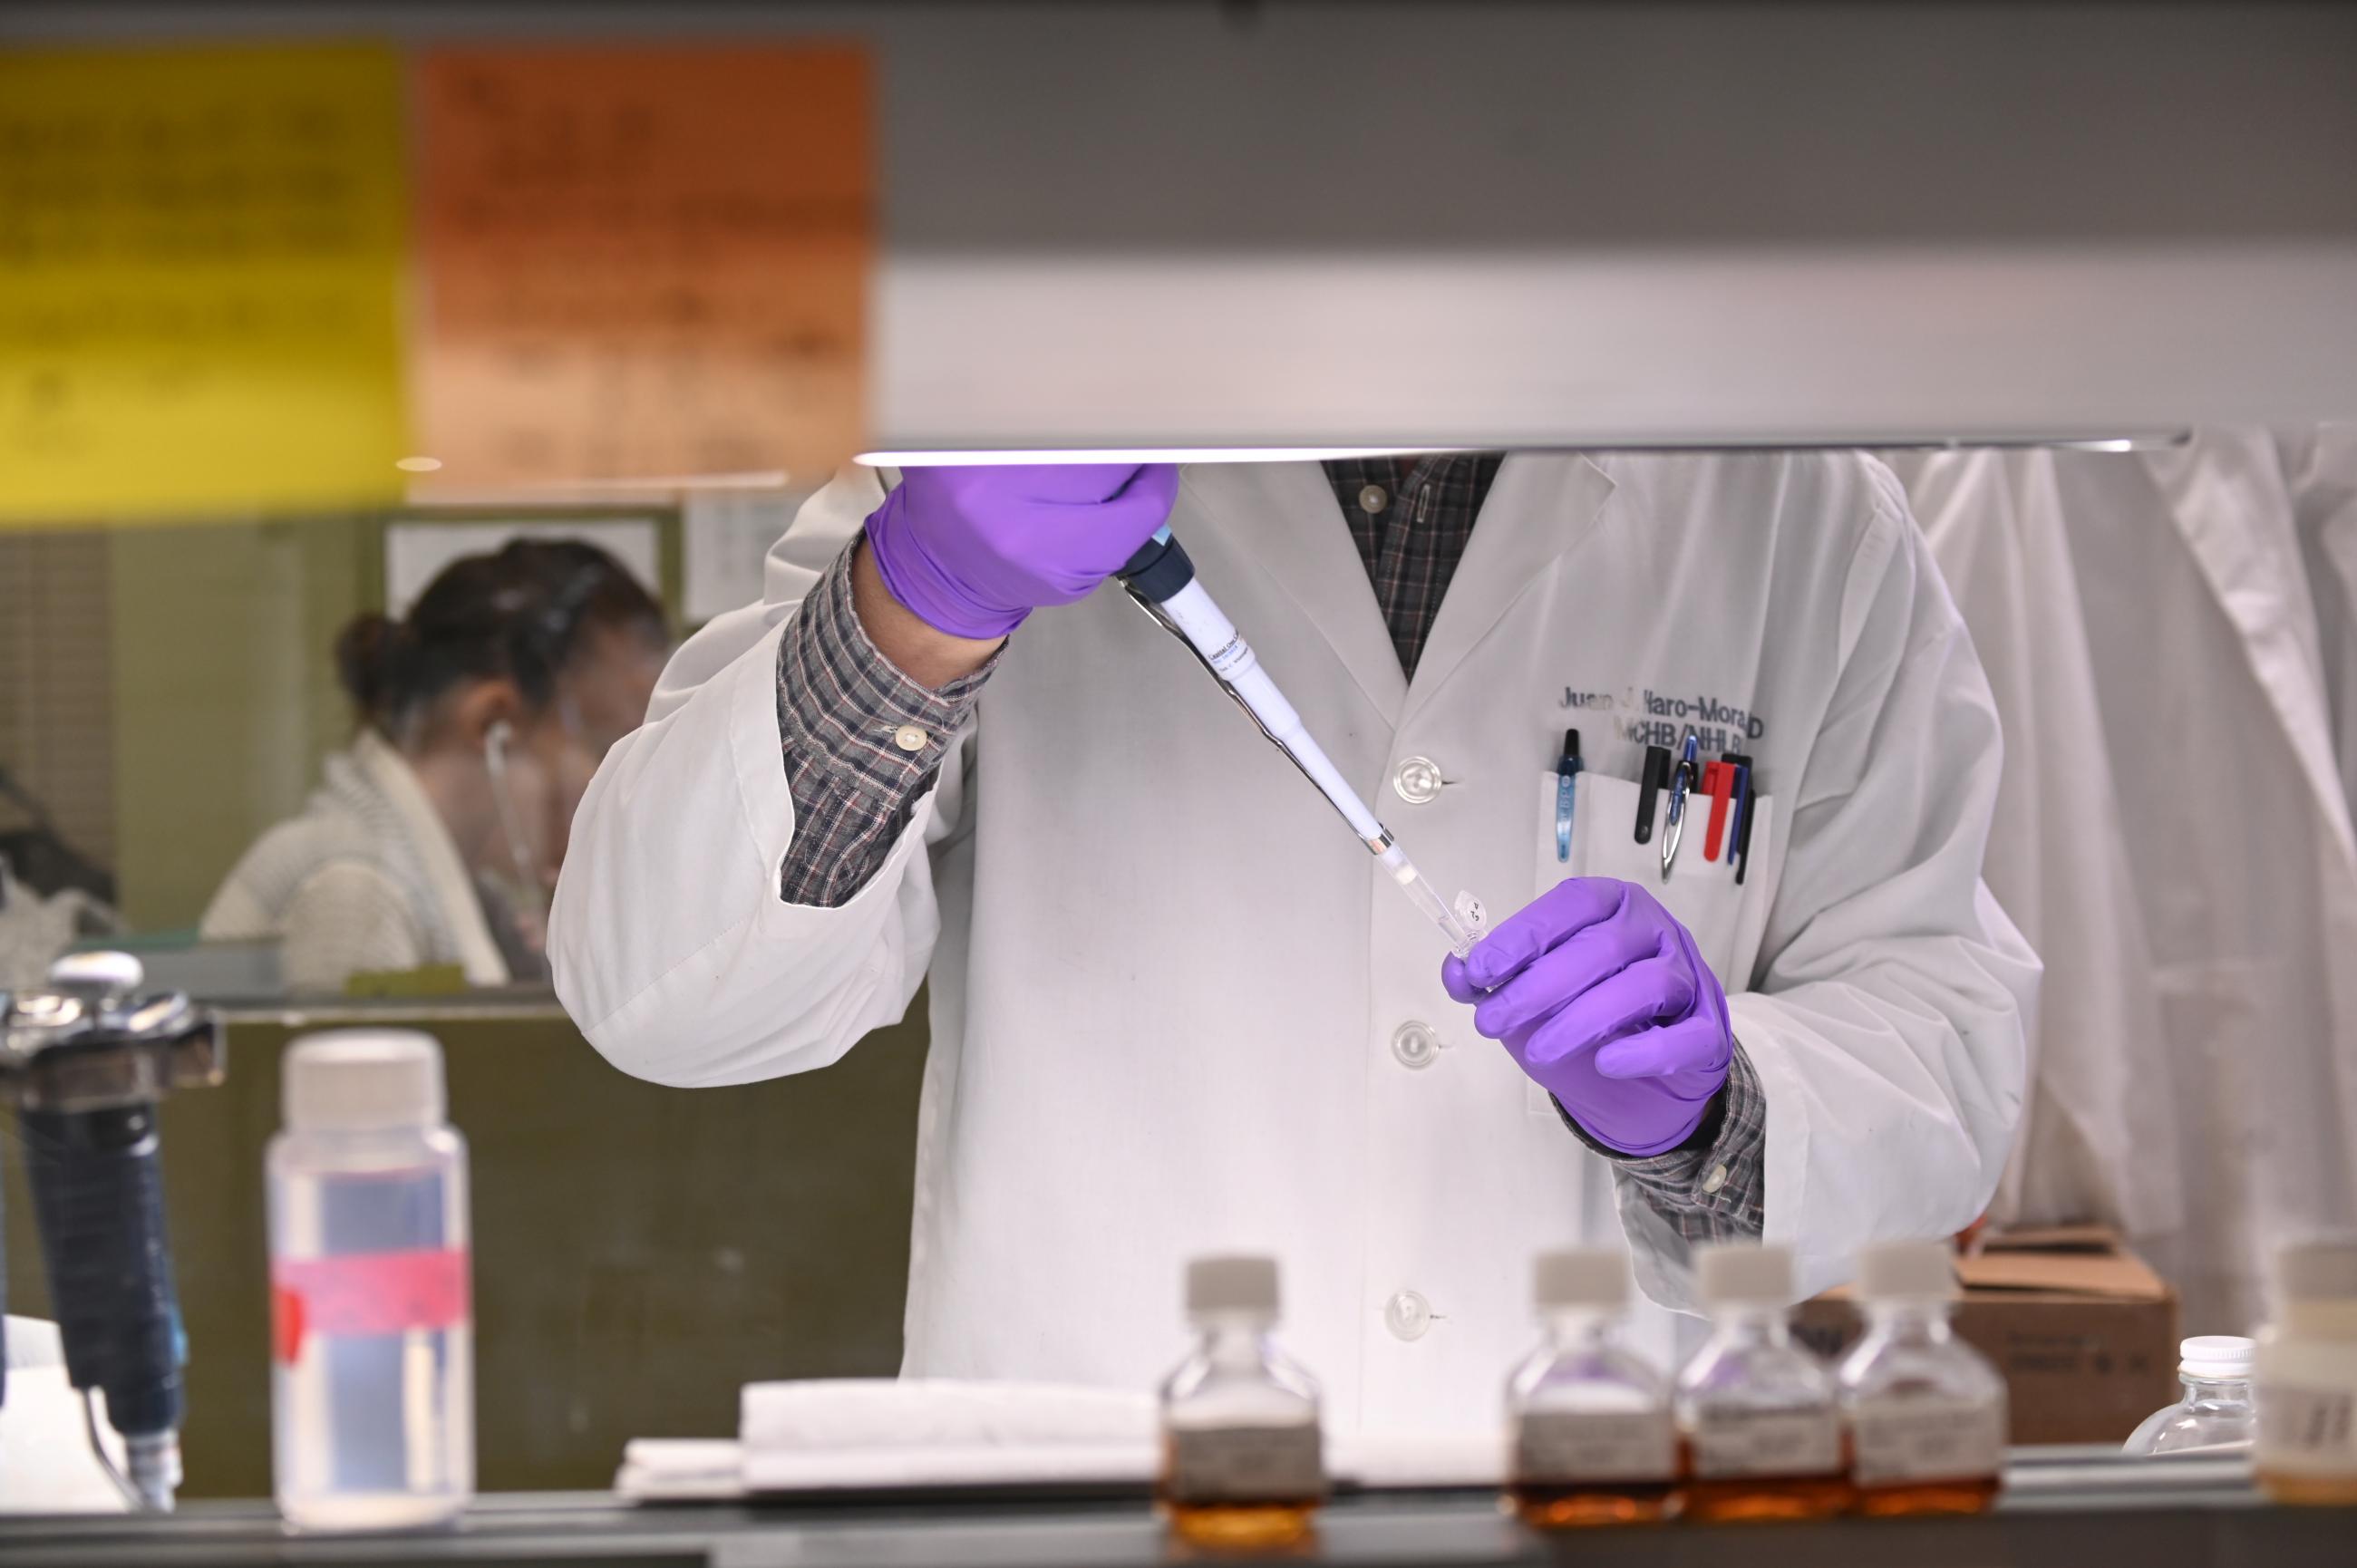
(435, 838)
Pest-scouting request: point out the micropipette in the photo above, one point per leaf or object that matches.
(1162, 580)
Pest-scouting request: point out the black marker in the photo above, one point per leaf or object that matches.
(1656, 775)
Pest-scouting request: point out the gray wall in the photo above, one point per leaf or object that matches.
(1030, 126)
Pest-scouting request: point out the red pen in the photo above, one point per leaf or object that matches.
(1718, 779)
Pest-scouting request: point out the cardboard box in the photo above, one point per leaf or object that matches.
(2083, 1330)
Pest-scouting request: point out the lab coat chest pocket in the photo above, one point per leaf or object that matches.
(1727, 918)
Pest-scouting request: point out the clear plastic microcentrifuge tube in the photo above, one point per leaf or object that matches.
(1460, 934)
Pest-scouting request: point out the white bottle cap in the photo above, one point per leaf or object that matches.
(2215, 1355)
(1898, 1271)
(1580, 1276)
(355, 1080)
(1735, 1272)
(2322, 1270)
(107, 974)
(1237, 1285)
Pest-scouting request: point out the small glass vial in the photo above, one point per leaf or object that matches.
(1243, 1462)
(1926, 1410)
(1593, 1440)
(2216, 1416)
(2307, 1377)
(1758, 1412)
(372, 1382)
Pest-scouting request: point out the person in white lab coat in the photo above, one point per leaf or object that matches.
(434, 837)
(1175, 1010)
(2173, 834)
(2057, 857)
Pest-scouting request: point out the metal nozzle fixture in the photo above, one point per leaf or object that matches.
(152, 1460)
(87, 1062)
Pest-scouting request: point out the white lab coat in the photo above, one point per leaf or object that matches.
(367, 877)
(2320, 471)
(2174, 835)
(1167, 983)
(2057, 855)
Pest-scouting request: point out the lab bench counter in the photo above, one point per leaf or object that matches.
(2058, 1512)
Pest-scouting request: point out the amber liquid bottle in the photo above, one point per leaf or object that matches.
(1757, 1411)
(1593, 1441)
(1926, 1411)
(2307, 1378)
(1243, 1464)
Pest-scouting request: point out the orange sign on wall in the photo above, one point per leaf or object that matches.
(641, 262)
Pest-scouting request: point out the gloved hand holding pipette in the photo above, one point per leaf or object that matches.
(1598, 994)
(971, 551)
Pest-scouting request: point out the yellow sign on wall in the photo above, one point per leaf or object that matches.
(200, 291)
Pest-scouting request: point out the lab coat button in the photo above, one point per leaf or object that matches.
(908, 737)
(1414, 1044)
(1408, 1315)
(1372, 500)
(1417, 780)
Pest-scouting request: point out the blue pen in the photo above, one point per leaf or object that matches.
(1739, 827)
(1566, 789)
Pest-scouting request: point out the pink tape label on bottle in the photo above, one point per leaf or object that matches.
(368, 1293)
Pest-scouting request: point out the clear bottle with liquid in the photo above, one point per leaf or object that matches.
(1593, 1440)
(1926, 1411)
(1758, 1412)
(2307, 1377)
(2215, 1416)
(372, 1385)
(1242, 1456)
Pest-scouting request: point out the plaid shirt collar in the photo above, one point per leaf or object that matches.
(1411, 519)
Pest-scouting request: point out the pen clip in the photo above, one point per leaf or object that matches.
(1682, 779)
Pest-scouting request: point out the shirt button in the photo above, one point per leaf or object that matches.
(908, 737)
(1408, 1315)
(1716, 1179)
(1372, 500)
(1414, 1044)
(1417, 780)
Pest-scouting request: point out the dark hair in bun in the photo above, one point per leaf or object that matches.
(520, 614)
(364, 649)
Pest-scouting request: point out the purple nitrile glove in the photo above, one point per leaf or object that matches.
(1596, 992)
(971, 551)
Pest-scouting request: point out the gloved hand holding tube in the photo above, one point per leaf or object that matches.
(1598, 994)
(971, 551)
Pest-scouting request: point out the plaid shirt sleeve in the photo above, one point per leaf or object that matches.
(843, 711)
(1712, 1188)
